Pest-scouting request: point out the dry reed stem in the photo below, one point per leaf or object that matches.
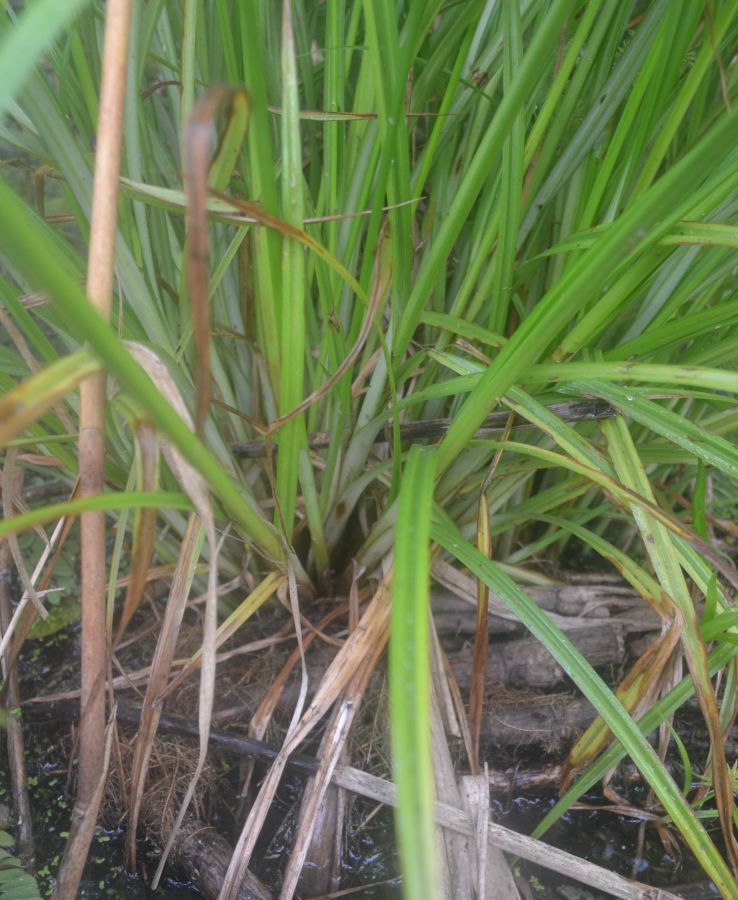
(15, 744)
(160, 668)
(333, 743)
(360, 645)
(91, 451)
(84, 822)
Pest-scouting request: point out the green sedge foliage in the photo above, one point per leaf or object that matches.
(14, 881)
(527, 202)
(409, 664)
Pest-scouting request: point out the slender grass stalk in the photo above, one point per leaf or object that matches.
(91, 447)
(93, 400)
(409, 680)
(293, 323)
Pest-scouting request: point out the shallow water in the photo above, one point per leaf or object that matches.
(370, 855)
(370, 861)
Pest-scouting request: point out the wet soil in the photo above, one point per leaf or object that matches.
(370, 861)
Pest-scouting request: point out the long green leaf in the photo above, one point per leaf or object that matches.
(105, 502)
(659, 545)
(294, 314)
(651, 217)
(712, 449)
(20, 239)
(535, 60)
(651, 720)
(409, 679)
(22, 44)
(589, 682)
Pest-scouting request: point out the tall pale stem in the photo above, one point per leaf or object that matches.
(92, 399)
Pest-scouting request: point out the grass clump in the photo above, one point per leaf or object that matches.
(411, 212)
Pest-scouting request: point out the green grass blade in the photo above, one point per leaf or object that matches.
(511, 196)
(711, 449)
(20, 239)
(651, 720)
(106, 502)
(409, 680)
(294, 314)
(680, 109)
(533, 64)
(584, 676)
(649, 217)
(659, 545)
(23, 43)
(258, 163)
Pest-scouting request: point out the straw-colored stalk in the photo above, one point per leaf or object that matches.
(91, 451)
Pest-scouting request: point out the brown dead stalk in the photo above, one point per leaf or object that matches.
(91, 451)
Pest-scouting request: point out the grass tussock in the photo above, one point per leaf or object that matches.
(338, 222)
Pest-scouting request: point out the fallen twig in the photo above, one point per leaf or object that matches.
(435, 429)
